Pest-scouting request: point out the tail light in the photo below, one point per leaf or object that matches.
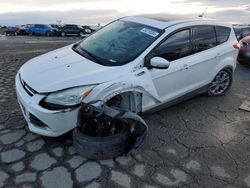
(237, 46)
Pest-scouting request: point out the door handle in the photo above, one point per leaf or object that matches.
(218, 55)
(184, 67)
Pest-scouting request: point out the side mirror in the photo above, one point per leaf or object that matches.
(159, 63)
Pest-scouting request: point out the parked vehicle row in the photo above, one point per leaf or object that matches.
(50, 30)
(241, 32)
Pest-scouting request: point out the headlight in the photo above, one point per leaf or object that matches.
(69, 97)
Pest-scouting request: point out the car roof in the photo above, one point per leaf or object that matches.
(163, 21)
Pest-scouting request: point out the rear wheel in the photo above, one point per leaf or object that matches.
(221, 83)
(63, 34)
(81, 34)
(48, 34)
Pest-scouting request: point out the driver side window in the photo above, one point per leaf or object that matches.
(175, 47)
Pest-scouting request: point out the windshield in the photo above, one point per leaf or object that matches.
(120, 42)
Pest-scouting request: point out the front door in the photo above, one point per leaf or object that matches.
(173, 82)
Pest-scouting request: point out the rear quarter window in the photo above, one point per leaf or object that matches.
(222, 33)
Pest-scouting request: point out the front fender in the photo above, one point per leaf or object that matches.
(139, 81)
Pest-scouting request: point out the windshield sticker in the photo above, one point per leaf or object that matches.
(150, 32)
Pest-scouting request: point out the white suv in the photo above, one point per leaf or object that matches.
(139, 64)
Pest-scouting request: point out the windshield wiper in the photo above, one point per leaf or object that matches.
(76, 47)
(93, 57)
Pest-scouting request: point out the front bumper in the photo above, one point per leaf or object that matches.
(43, 121)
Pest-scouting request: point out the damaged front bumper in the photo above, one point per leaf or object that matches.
(43, 121)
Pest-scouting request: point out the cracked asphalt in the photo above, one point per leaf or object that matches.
(203, 142)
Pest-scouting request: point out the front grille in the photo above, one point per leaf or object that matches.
(26, 87)
(34, 120)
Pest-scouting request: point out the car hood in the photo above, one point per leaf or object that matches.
(64, 68)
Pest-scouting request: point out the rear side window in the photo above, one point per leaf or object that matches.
(175, 47)
(222, 34)
(204, 38)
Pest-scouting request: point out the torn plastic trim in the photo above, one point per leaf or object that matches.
(139, 129)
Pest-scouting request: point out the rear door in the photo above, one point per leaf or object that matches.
(37, 29)
(205, 56)
(75, 30)
(43, 29)
(67, 29)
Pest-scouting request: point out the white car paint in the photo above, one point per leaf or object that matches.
(64, 68)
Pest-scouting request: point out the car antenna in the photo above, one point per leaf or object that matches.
(201, 15)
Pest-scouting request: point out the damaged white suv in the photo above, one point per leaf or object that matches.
(139, 64)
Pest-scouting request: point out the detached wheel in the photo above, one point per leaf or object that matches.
(221, 83)
(102, 147)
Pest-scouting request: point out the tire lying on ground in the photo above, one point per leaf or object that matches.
(106, 147)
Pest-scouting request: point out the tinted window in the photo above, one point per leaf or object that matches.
(67, 27)
(245, 32)
(74, 27)
(204, 38)
(222, 34)
(175, 47)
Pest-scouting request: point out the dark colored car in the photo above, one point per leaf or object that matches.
(244, 54)
(241, 32)
(71, 29)
(11, 31)
(21, 30)
(41, 29)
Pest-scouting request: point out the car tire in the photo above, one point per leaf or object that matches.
(100, 148)
(48, 34)
(81, 34)
(221, 83)
(63, 34)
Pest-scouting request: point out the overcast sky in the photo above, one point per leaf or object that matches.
(13, 12)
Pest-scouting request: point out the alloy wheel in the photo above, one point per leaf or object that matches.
(81, 34)
(221, 83)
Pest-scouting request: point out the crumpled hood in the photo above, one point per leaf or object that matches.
(64, 68)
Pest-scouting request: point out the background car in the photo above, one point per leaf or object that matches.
(21, 30)
(87, 29)
(41, 29)
(244, 54)
(71, 29)
(95, 28)
(241, 32)
(11, 31)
